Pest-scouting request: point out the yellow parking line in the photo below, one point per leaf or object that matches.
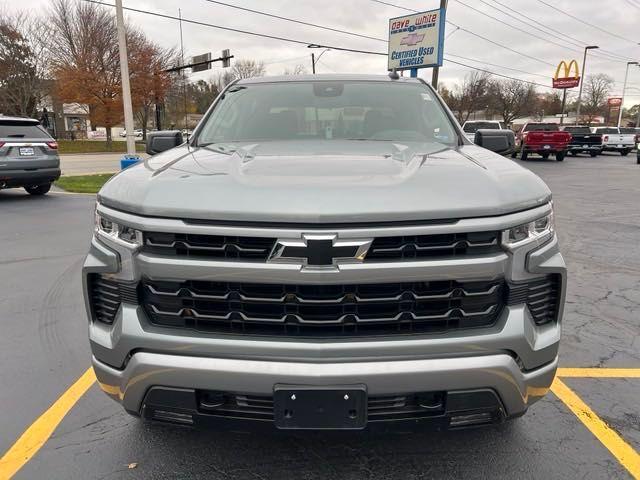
(599, 372)
(620, 449)
(39, 432)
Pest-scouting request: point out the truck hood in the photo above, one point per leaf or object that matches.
(330, 181)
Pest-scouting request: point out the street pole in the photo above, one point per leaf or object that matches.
(126, 87)
(624, 87)
(564, 102)
(584, 62)
(436, 70)
(313, 63)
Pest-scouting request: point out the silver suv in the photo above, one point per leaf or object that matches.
(28, 155)
(325, 252)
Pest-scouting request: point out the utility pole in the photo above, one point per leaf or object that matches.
(126, 87)
(313, 63)
(584, 64)
(436, 70)
(184, 80)
(624, 87)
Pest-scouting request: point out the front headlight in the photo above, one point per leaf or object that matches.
(540, 230)
(120, 234)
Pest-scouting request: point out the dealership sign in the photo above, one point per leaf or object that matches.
(416, 40)
(567, 80)
(614, 101)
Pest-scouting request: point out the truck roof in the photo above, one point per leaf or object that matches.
(349, 77)
(18, 119)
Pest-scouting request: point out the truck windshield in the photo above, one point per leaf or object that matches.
(586, 130)
(541, 127)
(471, 127)
(328, 110)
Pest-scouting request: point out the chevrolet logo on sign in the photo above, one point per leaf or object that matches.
(567, 81)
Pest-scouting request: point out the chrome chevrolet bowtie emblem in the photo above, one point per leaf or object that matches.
(412, 39)
(320, 250)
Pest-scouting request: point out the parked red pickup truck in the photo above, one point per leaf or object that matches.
(545, 139)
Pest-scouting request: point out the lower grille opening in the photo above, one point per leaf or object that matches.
(379, 408)
(541, 295)
(107, 294)
(323, 310)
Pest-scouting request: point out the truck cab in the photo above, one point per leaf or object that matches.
(471, 126)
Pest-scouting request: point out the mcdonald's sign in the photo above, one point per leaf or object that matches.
(567, 81)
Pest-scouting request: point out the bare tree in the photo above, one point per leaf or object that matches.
(299, 69)
(468, 97)
(596, 91)
(247, 69)
(23, 64)
(511, 99)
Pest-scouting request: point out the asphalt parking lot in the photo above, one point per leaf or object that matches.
(45, 350)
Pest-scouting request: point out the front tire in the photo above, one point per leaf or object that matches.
(560, 156)
(38, 189)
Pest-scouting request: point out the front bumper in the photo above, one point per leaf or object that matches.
(515, 358)
(500, 373)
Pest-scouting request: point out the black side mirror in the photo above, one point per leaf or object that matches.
(163, 140)
(502, 142)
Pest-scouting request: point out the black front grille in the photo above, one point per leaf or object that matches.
(212, 246)
(541, 295)
(428, 246)
(257, 249)
(323, 310)
(379, 408)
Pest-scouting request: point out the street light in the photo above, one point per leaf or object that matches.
(314, 60)
(624, 87)
(584, 61)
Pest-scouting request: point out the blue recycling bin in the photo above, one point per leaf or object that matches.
(129, 160)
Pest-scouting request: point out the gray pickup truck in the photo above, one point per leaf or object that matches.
(325, 252)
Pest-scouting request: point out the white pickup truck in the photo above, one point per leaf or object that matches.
(614, 140)
(469, 128)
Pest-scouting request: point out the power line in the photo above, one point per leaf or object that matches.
(556, 33)
(587, 23)
(301, 22)
(519, 29)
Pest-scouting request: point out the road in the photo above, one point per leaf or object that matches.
(85, 164)
(44, 350)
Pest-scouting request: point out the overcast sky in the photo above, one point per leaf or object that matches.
(619, 17)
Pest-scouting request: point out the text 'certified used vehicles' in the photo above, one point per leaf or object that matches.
(544, 139)
(583, 140)
(28, 156)
(325, 252)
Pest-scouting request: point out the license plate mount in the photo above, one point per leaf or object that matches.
(304, 407)
(26, 151)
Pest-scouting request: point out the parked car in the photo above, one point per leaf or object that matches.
(583, 140)
(28, 155)
(137, 133)
(613, 140)
(288, 267)
(471, 126)
(545, 139)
